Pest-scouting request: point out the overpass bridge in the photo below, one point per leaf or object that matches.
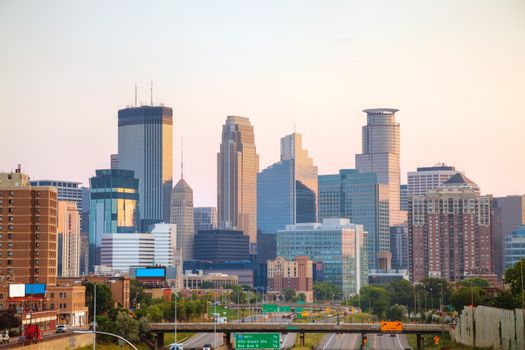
(228, 328)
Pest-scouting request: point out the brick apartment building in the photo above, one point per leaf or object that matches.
(296, 274)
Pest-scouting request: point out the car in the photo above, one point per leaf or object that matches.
(5, 337)
(21, 340)
(206, 347)
(175, 346)
(393, 335)
(61, 328)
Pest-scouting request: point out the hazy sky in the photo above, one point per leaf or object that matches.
(455, 69)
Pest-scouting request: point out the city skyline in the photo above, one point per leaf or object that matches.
(442, 65)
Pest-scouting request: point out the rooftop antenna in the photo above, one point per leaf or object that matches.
(182, 158)
(151, 91)
(294, 127)
(135, 94)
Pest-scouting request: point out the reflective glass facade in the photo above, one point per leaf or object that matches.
(145, 145)
(114, 208)
(515, 247)
(381, 155)
(336, 243)
(360, 198)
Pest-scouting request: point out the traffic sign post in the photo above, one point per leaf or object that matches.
(299, 309)
(257, 340)
(436, 340)
(285, 309)
(269, 308)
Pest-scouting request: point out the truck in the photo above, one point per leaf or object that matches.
(33, 333)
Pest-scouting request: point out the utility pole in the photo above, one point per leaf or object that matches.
(175, 323)
(94, 316)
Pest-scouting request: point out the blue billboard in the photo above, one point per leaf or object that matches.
(35, 289)
(157, 272)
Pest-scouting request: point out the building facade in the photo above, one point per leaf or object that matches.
(399, 247)
(515, 247)
(114, 207)
(164, 244)
(237, 167)
(182, 216)
(403, 197)
(360, 198)
(338, 244)
(296, 274)
(216, 280)
(428, 178)
(221, 245)
(120, 251)
(28, 230)
(450, 232)
(145, 144)
(68, 231)
(381, 155)
(287, 190)
(205, 218)
(509, 212)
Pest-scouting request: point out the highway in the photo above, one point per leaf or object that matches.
(200, 339)
(353, 342)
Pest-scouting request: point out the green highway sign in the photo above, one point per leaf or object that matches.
(269, 308)
(257, 341)
(300, 302)
(285, 309)
(299, 309)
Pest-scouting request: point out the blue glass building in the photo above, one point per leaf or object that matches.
(336, 243)
(362, 199)
(515, 246)
(114, 199)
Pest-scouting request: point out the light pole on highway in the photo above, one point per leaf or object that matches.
(175, 318)
(94, 316)
(215, 321)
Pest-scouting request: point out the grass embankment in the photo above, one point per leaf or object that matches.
(168, 337)
(429, 343)
(111, 346)
(310, 340)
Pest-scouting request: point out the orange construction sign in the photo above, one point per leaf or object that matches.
(395, 326)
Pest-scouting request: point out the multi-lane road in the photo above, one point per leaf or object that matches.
(353, 342)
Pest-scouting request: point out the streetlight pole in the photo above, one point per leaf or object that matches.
(442, 318)
(175, 318)
(94, 316)
(215, 322)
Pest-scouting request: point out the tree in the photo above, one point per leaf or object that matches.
(237, 295)
(302, 297)
(144, 327)
(137, 295)
(514, 275)
(8, 320)
(104, 299)
(154, 313)
(327, 291)
(476, 282)
(432, 287)
(127, 327)
(505, 300)
(396, 312)
(289, 294)
(377, 298)
(466, 296)
(401, 292)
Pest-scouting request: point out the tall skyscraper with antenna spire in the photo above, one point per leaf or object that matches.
(237, 167)
(182, 214)
(145, 146)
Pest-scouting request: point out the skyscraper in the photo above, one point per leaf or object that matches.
(362, 199)
(182, 216)
(28, 227)
(509, 212)
(337, 243)
(113, 207)
(287, 190)
(450, 232)
(403, 197)
(113, 161)
(145, 146)
(205, 218)
(68, 230)
(381, 155)
(237, 167)
(428, 178)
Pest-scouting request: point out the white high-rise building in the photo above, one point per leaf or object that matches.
(429, 178)
(165, 244)
(381, 155)
(182, 216)
(120, 251)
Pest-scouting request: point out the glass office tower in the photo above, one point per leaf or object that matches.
(337, 243)
(145, 145)
(114, 207)
(362, 199)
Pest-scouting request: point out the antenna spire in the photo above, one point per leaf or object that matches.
(182, 158)
(151, 91)
(135, 94)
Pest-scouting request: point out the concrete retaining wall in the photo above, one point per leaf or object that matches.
(69, 343)
(496, 328)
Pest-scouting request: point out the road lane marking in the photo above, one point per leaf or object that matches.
(329, 340)
(193, 340)
(353, 341)
(399, 342)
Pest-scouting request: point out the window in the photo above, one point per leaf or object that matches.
(9, 262)
(10, 227)
(52, 295)
(37, 236)
(11, 193)
(10, 201)
(10, 210)
(9, 236)
(51, 306)
(10, 218)
(37, 270)
(9, 253)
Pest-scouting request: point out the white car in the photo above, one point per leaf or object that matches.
(175, 346)
(206, 347)
(4, 337)
(62, 328)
